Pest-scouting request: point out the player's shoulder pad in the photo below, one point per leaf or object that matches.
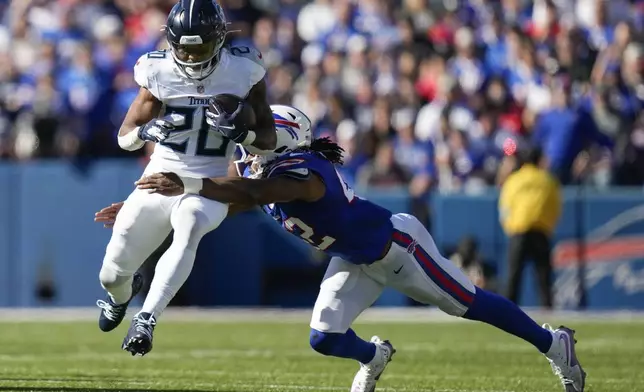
(293, 165)
(148, 66)
(248, 52)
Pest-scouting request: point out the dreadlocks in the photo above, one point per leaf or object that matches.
(324, 146)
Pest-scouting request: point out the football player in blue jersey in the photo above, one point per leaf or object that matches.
(371, 249)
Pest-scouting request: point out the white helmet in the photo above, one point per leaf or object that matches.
(293, 129)
(295, 122)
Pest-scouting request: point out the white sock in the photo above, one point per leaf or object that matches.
(554, 346)
(118, 287)
(170, 274)
(378, 356)
(122, 294)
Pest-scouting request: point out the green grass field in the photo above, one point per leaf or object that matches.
(210, 355)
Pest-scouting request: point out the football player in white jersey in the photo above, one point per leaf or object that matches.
(172, 110)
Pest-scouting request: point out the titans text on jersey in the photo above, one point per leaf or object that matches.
(193, 150)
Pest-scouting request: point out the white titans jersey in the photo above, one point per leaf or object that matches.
(192, 150)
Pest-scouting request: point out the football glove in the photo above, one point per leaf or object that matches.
(158, 129)
(224, 123)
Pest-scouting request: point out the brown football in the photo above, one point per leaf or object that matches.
(245, 119)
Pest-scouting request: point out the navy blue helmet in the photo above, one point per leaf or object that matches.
(196, 30)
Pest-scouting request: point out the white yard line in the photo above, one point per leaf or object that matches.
(373, 315)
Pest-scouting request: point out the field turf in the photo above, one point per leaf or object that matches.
(258, 353)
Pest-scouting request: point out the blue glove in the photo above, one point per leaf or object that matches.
(224, 123)
(158, 129)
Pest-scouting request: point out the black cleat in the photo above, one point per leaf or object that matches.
(139, 336)
(111, 313)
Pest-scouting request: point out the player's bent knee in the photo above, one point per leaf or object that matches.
(325, 343)
(111, 279)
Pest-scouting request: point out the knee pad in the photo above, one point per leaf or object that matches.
(109, 278)
(325, 343)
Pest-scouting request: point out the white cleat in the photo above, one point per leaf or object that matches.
(563, 359)
(366, 378)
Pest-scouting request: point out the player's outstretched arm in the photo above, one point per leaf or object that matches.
(144, 109)
(245, 191)
(279, 189)
(266, 138)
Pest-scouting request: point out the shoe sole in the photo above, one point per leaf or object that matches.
(133, 346)
(571, 333)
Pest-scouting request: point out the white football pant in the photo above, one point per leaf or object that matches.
(141, 226)
(413, 266)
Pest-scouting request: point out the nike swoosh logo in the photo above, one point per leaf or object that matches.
(398, 270)
(568, 350)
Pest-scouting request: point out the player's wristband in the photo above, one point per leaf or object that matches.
(131, 141)
(192, 185)
(250, 138)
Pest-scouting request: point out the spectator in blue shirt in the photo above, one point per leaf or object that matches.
(417, 158)
(496, 53)
(564, 131)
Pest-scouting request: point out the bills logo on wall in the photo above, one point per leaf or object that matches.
(614, 264)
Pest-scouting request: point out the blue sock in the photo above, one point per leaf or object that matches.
(502, 313)
(343, 345)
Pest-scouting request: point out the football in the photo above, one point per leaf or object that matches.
(245, 118)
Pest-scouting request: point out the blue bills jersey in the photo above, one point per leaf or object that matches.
(340, 223)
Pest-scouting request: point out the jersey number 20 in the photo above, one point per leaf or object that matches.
(203, 135)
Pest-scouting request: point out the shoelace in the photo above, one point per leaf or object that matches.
(145, 326)
(110, 311)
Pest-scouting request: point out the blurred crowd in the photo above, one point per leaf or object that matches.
(424, 94)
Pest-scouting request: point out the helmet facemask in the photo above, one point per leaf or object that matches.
(257, 163)
(197, 60)
(196, 38)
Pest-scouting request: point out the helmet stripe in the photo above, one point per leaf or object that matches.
(191, 13)
(287, 123)
(191, 10)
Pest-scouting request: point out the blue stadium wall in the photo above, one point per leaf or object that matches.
(47, 235)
